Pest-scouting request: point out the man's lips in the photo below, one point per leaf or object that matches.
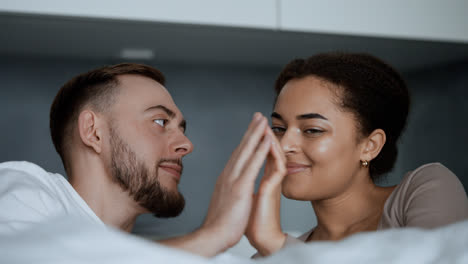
(296, 167)
(174, 169)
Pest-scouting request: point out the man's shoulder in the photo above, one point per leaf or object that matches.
(21, 166)
(23, 176)
(27, 195)
(18, 171)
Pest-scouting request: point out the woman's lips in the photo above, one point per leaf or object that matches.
(296, 167)
(174, 169)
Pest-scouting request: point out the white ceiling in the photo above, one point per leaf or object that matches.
(103, 39)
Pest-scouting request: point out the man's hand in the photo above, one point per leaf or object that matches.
(231, 203)
(264, 228)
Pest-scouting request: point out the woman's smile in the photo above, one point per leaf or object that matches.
(293, 167)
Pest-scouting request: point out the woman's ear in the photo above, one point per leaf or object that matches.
(90, 130)
(373, 144)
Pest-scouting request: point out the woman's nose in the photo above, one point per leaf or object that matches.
(290, 141)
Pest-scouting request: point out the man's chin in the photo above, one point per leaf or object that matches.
(171, 215)
(169, 184)
(171, 206)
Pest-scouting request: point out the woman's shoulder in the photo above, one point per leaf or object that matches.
(429, 175)
(429, 196)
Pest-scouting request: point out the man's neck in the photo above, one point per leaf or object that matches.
(106, 198)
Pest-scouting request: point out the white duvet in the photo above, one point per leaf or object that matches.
(68, 241)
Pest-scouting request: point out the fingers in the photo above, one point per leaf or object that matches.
(256, 161)
(275, 169)
(278, 158)
(249, 143)
(276, 150)
(255, 120)
(279, 163)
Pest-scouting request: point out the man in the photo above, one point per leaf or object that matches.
(121, 139)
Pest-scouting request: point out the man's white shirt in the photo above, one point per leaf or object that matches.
(31, 195)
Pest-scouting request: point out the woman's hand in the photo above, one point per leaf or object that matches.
(232, 200)
(264, 228)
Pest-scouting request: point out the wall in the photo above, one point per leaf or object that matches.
(437, 130)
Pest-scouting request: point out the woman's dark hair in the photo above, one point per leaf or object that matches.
(367, 87)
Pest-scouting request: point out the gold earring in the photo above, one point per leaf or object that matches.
(365, 163)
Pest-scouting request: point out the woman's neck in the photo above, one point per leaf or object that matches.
(357, 209)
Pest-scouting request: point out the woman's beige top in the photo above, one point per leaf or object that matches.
(428, 197)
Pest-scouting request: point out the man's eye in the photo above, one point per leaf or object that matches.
(161, 122)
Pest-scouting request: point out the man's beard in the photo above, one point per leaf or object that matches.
(142, 184)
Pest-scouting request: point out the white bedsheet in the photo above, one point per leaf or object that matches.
(68, 241)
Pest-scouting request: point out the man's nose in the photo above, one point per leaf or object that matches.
(290, 141)
(182, 145)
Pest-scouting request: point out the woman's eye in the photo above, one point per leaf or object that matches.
(161, 122)
(313, 131)
(278, 130)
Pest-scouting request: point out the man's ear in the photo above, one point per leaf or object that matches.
(373, 144)
(90, 130)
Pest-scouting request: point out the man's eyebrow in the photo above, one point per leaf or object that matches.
(301, 117)
(168, 111)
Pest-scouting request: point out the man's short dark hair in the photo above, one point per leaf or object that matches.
(97, 89)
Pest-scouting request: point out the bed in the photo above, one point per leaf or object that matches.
(71, 241)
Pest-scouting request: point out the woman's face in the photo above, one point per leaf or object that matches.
(319, 139)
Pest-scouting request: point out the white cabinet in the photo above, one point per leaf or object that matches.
(442, 20)
(238, 13)
(242, 32)
(445, 20)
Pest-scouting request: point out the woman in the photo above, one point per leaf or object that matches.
(338, 118)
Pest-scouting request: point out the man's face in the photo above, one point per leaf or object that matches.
(147, 143)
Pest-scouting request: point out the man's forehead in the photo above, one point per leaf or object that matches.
(146, 93)
(133, 83)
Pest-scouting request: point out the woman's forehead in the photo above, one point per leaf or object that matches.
(305, 95)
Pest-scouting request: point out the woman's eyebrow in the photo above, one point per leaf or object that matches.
(301, 117)
(310, 116)
(276, 115)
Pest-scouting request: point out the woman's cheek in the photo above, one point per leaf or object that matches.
(324, 148)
